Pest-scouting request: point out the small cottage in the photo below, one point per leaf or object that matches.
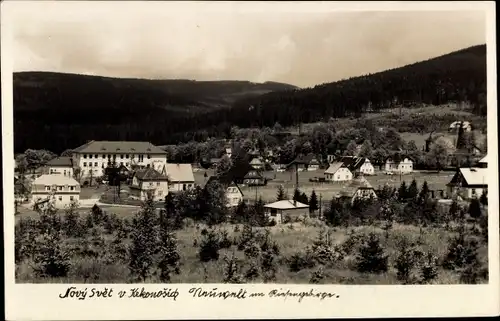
(338, 172)
(234, 195)
(305, 163)
(257, 163)
(358, 188)
(468, 183)
(398, 164)
(180, 177)
(281, 210)
(149, 181)
(358, 165)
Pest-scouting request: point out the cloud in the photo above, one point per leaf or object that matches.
(299, 48)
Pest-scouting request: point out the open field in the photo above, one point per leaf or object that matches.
(436, 181)
(290, 239)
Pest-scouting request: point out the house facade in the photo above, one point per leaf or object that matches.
(402, 165)
(283, 210)
(234, 195)
(180, 177)
(60, 165)
(149, 181)
(358, 165)
(338, 172)
(93, 157)
(254, 178)
(468, 183)
(357, 189)
(63, 190)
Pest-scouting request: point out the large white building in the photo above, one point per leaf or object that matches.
(338, 172)
(62, 189)
(93, 157)
(398, 164)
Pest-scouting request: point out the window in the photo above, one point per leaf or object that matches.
(183, 187)
(473, 191)
(84, 155)
(71, 198)
(346, 177)
(60, 198)
(158, 184)
(95, 164)
(127, 156)
(127, 164)
(121, 156)
(96, 156)
(149, 156)
(84, 164)
(59, 188)
(338, 176)
(90, 164)
(160, 192)
(47, 188)
(121, 163)
(64, 172)
(71, 188)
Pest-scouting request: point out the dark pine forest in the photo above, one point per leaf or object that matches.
(60, 111)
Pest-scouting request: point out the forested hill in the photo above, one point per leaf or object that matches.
(458, 76)
(58, 111)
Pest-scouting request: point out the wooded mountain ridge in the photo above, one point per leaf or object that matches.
(60, 111)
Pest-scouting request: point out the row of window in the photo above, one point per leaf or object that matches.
(60, 188)
(102, 165)
(122, 156)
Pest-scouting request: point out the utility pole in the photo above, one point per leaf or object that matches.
(320, 205)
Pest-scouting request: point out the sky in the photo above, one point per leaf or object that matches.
(299, 47)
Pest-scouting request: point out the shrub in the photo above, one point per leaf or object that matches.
(371, 256)
(232, 270)
(428, 270)
(209, 247)
(269, 265)
(302, 260)
(462, 252)
(407, 259)
(253, 271)
(51, 259)
(317, 276)
(225, 242)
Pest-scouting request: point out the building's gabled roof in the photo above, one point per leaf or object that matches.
(484, 160)
(179, 172)
(334, 167)
(304, 160)
(119, 147)
(353, 163)
(254, 174)
(55, 179)
(256, 161)
(286, 205)
(60, 162)
(471, 176)
(455, 124)
(357, 183)
(150, 174)
(397, 158)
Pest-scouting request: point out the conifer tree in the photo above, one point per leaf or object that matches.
(402, 191)
(424, 192)
(296, 195)
(371, 257)
(144, 237)
(484, 198)
(474, 208)
(210, 246)
(313, 202)
(303, 199)
(168, 254)
(258, 213)
(413, 189)
(281, 195)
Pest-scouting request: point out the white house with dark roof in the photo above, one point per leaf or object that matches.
(234, 194)
(257, 163)
(338, 172)
(180, 177)
(277, 211)
(60, 165)
(149, 181)
(398, 164)
(62, 189)
(95, 155)
(469, 183)
(358, 165)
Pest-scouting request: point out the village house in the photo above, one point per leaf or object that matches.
(358, 188)
(62, 189)
(92, 157)
(468, 183)
(180, 177)
(234, 195)
(338, 172)
(398, 164)
(304, 163)
(60, 165)
(149, 181)
(483, 162)
(257, 163)
(358, 165)
(254, 178)
(283, 210)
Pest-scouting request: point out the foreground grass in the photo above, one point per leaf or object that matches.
(291, 238)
